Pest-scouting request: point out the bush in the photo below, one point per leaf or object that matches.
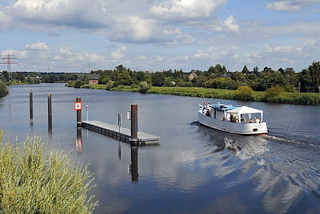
(244, 93)
(3, 89)
(134, 85)
(183, 84)
(78, 84)
(144, 87)
(290, 88)
(272, 93)
(70, 83)
(109, 85)
(32, 181)
(308, 99)
(222, 83)
(85, 86)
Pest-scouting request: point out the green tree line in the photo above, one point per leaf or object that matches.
(307, 80)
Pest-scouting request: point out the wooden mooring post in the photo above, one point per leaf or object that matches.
(31, 106)
(79, 112)
(134, 124)
(50, 113)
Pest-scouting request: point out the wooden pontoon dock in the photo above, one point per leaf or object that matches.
(123, 134)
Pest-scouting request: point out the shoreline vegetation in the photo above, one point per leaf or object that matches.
(244, 93)
(33, 180)
(273, 86)
(284, 85)
(3, 89)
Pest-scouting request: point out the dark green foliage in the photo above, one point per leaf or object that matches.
(182, 83)
(221, 82)
(310, 78)
(78, 84)
(158, 79)
(3, 89)
(245, 70)
(219, 77)
(104, 79)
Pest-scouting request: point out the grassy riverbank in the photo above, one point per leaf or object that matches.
(281, 97)
(284, 97)
(3, 89)
(35, 181)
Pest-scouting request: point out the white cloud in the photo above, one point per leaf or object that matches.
(283, 6)
(5, 21)
(231, 25)
(125, 22)
(72, 13)
(307, 28)
(136, 28)
(228, 25)
(141, 30)
(283, 49)
(119, 53)
(37, 46)
(31, 58)
(186, 9)
(290, 5)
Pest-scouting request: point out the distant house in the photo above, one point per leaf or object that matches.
(94, 79)
(192, 76)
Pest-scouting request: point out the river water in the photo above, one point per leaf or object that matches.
(195, 169)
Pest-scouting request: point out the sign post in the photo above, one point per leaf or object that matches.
(78, 109)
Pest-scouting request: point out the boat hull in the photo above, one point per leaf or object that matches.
(235, 128)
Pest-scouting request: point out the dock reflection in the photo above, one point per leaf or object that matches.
(78, 143)
(119, 151)
(134, 171)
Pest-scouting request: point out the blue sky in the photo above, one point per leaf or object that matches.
(78, 35)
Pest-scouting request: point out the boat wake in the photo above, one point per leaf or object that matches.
(195, 123)
(278, 138)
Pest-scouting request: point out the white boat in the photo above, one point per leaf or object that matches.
(233, 119)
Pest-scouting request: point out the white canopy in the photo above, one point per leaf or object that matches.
(245, 110)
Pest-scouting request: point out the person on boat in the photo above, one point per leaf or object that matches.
(242, 118)
(208, 113)
(224, 116)
(231, 118)
(228, 117)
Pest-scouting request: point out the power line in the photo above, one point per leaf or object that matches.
(8, 60)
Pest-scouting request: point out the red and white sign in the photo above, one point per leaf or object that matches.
(77, 106)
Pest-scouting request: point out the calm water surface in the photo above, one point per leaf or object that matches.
(195, 169)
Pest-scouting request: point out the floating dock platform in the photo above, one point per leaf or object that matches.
(123, 134)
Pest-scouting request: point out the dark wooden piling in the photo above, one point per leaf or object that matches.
(134, 164)
(134, 123)
(50, 113)
(31, 106)
(79, 113)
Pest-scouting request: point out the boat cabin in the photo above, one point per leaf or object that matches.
(234, 114)
(245, 114)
